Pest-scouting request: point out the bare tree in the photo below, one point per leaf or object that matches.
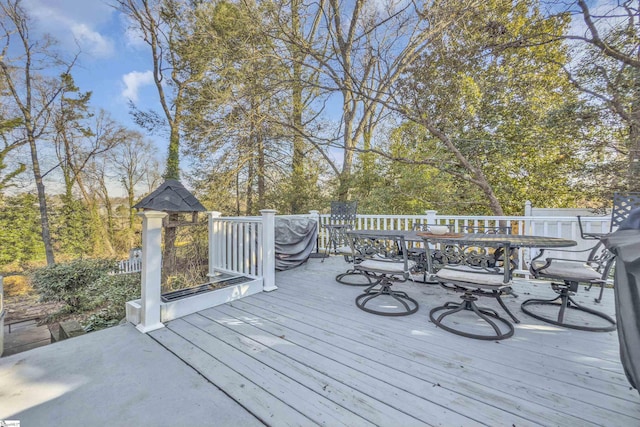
(608, 71)
(131, 163)
(33, 93)
(360, 51)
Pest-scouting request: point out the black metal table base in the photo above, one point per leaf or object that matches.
(407, 303)
(490, 316)
(564, 302)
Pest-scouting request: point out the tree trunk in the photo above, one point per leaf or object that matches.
(633, 177)
(169, 252)
(42, 200)
(297, 163)
(344, 184)
(104, 237)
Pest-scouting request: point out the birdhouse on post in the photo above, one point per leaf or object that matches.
(182, 208)
(173, 198)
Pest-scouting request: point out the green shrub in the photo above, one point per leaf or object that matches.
(71, 283)
(96, 298)
(109, 295)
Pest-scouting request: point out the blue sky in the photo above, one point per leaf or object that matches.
(114, 63)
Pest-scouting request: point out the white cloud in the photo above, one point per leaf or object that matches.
(73, 23)
(133, 81)
(92, 41)
(133, 36)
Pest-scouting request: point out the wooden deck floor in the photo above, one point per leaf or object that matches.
(305, 354)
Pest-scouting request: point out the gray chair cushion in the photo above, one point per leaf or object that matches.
(385, 266)
(475, 277)
(568, 270)
(344, 250)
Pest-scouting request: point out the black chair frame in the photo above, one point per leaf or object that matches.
(386, 259)
(481, 262)
(599, 260)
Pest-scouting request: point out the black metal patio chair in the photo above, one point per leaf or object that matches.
(476, 272)
(566, 274)
(417, 252)
(342, 218)
(385, 258)
(623, 204)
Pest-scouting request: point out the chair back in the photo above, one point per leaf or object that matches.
(388, 249)
(343, 211)
(623, 204)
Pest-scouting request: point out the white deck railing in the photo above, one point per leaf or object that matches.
(243, 245)
(246, 246)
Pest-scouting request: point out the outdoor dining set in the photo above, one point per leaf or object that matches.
(475, 261)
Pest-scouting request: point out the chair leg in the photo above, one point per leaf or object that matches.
(566, 302)
(408, 304)
(371, 279)
(505, 308)
(599, 299)
(489, 316)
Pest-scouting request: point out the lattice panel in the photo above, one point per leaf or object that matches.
(623, 204)
(343, 211)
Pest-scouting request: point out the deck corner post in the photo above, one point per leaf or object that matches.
(214, 235)
(316, 217)
(151, 271)
(431, 216)
(269, 249)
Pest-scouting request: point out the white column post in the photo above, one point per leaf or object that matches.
(316, 216)
(528, 213)
(214, 236)
(151, 270)
(269, 249)
(527, 254)
(431, 216)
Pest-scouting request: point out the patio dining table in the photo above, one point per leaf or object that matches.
(481, 239)
(512, 241)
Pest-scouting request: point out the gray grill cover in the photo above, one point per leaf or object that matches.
(295, 240)
(625, 244)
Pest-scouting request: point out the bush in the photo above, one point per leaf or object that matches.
(109, 296)
(96, 298)
(71, 283)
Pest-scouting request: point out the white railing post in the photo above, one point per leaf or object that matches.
(431, 216)
(213, 240)
(316, 217)
(269, 249)
(151, 271)
(527, 215)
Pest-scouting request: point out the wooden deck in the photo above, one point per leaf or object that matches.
(305, 355)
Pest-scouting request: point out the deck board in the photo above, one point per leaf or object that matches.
(305, 354)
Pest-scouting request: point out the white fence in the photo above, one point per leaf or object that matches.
(131, 265)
